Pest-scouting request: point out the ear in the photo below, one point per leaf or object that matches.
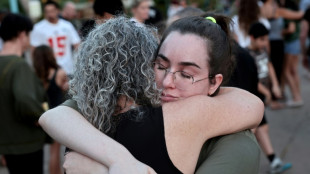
(22, 34)
(216, 82)
(252, 38)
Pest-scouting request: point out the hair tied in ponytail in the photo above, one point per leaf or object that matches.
(211, 19)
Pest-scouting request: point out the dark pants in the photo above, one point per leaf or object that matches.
(25, 163)
(277, 57)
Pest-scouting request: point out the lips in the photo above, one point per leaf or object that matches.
(168, 98)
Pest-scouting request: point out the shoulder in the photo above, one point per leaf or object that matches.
(265, 22)
(21, 63)
(235, 22)
(40, 24)
(65, 23)
(61, 74)
(231, 151)
(235, 18)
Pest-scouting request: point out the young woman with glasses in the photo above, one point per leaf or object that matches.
(113, 87)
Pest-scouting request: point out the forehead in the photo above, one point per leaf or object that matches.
(50, 7)
(185, 47)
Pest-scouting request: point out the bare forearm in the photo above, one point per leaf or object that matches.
(243, 109)
(303, 35)
(71, 129)
(232, 110)
(289, 14)
(272, 75)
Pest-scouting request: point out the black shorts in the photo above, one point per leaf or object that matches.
(264, 121)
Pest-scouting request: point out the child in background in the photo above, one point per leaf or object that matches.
(267, 85)
(55, 83)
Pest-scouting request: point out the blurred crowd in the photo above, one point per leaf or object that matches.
(37, 60)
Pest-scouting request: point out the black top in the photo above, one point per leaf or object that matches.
(245, 75)
(145, 138)
(141, 131)
(54, 93)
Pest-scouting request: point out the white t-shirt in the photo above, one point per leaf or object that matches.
(60, 37)
(243, 38)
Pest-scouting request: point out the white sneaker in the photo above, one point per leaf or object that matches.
(277, 166)
(294, 104)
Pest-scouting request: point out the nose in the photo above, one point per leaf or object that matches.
(168, 80)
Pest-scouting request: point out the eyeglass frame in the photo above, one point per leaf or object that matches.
(191, 76)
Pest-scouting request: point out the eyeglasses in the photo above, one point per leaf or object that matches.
(181, 79)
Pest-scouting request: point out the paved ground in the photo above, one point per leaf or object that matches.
(290, 135)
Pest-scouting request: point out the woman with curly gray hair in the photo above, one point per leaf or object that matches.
(102, 75)
(114, 88)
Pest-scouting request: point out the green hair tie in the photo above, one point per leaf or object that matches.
(211, 19)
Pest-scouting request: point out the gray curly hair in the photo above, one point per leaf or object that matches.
(115, 60)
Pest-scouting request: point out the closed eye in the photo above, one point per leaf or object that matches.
(185, 75)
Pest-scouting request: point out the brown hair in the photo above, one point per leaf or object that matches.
(217, 36)
(248, 13)
(43, 61)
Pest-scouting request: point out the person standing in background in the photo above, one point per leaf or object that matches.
(140, 10)
(55, 83)
(58, 34)
(292, 51)
(22, 96)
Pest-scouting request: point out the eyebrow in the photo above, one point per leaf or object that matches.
(181, 63)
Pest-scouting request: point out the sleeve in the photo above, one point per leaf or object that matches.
(72, 104)
(265, 22)
(29, 94)
(36, 38)
(236, 153)
(75, 38)
(235, 24)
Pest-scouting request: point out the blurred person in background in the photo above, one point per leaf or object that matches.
(59, 34)
(2, 14)
(186, 12)
(267, 85)
(248, 13)
(175, 6)
(155, 16)
(276, 15)
(292, 51)
(140, 11)
(103, 10)
(69, 11)
(22, 96)
(70, 14)
(55, 83)
(304, 35)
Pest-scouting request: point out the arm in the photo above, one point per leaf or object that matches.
(232, 110)
(265, 91)
(303, 38)
(73, 160)
(290, 29)
(70, 128)
(274, 81)
(223, 155)
(62, 80)
(289, 14)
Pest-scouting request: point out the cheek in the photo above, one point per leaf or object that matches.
(159, 82)
(199, 89)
